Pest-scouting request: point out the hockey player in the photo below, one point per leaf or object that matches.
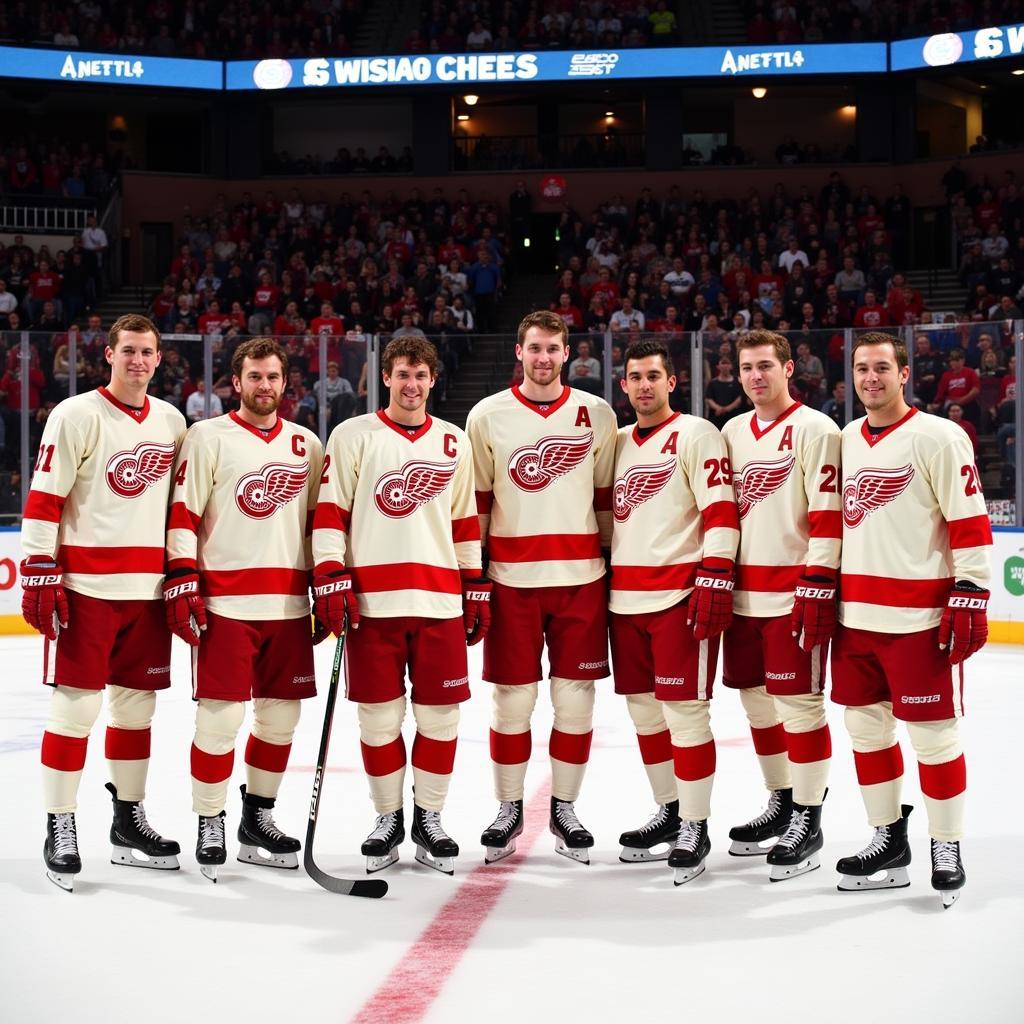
(913, 607)
(397, 549)
(237, 589)
(544, 456)
(785, 464)
(673, 548)
(93, 539)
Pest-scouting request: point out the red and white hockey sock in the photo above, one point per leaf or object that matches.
(768, 735)
(128, 737)
(511, 740)
(571, 735)
(693, 754)
(878, 760)
(213, 753)
(71, 717)
(270, 743)
(809, 744)
(943, 774)
(383, 750)
(433, 753)
(655, 743)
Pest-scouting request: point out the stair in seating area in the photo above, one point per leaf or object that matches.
(942, 289)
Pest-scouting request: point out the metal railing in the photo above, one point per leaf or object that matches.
(523, 152)
(41, 216)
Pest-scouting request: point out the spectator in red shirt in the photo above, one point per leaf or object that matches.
(289, 322)
(959, 384)
(264, 304)
(184, 265)
(571, 314)
(328, 322)
(956, 415)
(871, 314)
(607, 289)
(43, 286)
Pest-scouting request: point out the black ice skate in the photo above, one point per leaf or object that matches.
(659, 831)
(691, 849)
(797, 850)
(753, 838)
(380, 848)
(135, 842)
(211, 847)
(499, 838)
(262, 842)
(434, 847)
(948, 876)
(882, 864)
(572, 840)
(60, 850)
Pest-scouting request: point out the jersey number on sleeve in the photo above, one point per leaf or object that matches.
(44, 460)
(327, 466)
(719, 472)
(828, 485)
(179, 477)
(973, 484)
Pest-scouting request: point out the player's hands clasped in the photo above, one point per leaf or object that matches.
(184, 608)
(964, 626)
(44, 604)
(334, 597)
(709, 609)
(476, 609)
(813, 618)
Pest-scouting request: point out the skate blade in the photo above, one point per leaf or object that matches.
(949, 898)
(61, 880)
(258, 855)
(580, 855)
(446, 865)
(780, 872)
(633, 855)
(374, 864)
(896, 878)
(683, 875)
(209, 871)
(493, 854)
(132, 858)
(744, 849)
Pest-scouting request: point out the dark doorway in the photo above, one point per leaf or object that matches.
(157, 250)
(541, 256)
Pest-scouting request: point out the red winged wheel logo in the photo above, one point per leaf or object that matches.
(760, 479)
(130, 473)
(259, 495)
(399, 494)
(637, 485)
(869, 489)
(533, 467)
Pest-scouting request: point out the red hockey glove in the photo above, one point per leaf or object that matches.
(334, 597)
(44, 604)
(813, 619)
(476, 609)
(964, 626)
(184, 608)
(709, 609)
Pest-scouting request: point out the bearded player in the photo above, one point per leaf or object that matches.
(544, 455)
(397, 549)
(913, 608)
(673, 547)
(237, 590)
(93, 538)
(785, 463)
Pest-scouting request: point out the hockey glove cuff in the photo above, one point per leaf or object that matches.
(813, 619)
(184, 608)
(964, 626)
(709, 609)
(476, 609)
(334, 598)
(44, 605)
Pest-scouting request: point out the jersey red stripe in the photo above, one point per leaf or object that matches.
(484, 501)
(376, 579)
(385, 759)
(211, 768)
(430, 755)
(510, 748)
(943, 781)
(110, 561)
(808, 747)
(894, 593)
(694, 763)
(246, 582)
(126, 744)
(64, 753)
(267, 757)
(544, 547)
(182, 519)
(768, 579)
(826, 523)
(656, 748)
(466, 529)
(47, 507)
(570, 747)
(654, 577)
(972, 532)
(329, 516)
(602, 499)
(721, 513)
(876, 766)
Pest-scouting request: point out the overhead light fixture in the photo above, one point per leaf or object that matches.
(759, 92)
(1018, 71)
(470, 99)
(609, 113)
(849, 110)
(462, 117)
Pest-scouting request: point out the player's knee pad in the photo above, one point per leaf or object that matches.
(689, 721)
(274, 721)
(871, 727)
(802, 712)
(381, 723)
(130, 708)
(759, 705)
(936, 742)
(73, 712)
(573, 703)
(645, 710)
(513, 708)
(437, 721)
(217, 724)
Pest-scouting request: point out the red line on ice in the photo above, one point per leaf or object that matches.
(413, 985)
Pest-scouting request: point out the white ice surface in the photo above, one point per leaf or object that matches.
(609, 942)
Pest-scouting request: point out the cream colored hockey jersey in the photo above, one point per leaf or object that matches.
(397, 510)
(543, 486)
(673, 507)
(914, 521)
(786, 479)
(100, 491)
(242, 513)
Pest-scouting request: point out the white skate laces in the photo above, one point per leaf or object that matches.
(944, 855)
(689, 837)
(879, 843)
(267, 825)
(65, 841)
(797, 829)
(565, 812)
(384, 828)
(774, 803)
(656, 820)
(506, 816)
(211, 832)
(144, 827)
(431, 824)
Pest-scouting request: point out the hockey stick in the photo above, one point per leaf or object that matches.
(373, 888)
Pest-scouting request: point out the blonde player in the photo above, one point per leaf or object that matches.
(785, 464)
(93, 536)
(913, 607)
(673, 547)
(544, 455)
(237, 589)
(397, 548)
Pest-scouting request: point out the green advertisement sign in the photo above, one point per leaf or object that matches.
(1013, 576)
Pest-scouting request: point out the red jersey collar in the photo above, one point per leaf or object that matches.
(138, 415)
(873, 439)
(400, 430)
(264, 435)
(758, 433)
(542, 410)
(638, 440)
